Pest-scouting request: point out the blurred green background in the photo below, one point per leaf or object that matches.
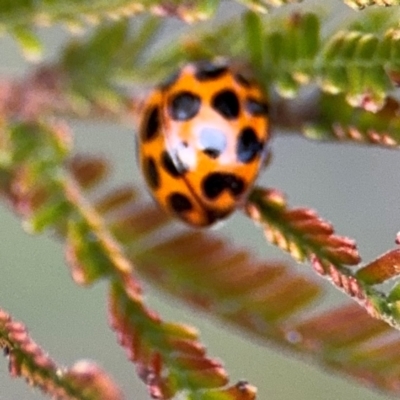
(355, 187)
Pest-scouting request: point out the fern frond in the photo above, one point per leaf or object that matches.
(267, 299)
(261, 5)
(361, 4)
(258, 297)
(362, 65)
(87, 12)
(19, 18)
(350, 61)
(83, 381)
(339, 121)
(382, 269)
(169, 357)
(359, 64)
(264, 5)
(97, 66)
(356, 70)
(102, 236)
(306, 236)
(300, 231)
(385, 267)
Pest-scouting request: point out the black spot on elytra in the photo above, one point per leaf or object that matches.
(212, 153)
(179, 203)
(242, 80)
(170, 166)
(256, 107)
(226, 103)
(150, 173)
(248, 146)
(212, 141)
(206, 70)
(215, 183)
(151, 124)
(184, 106)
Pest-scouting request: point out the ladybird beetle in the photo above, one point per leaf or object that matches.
(202, 140)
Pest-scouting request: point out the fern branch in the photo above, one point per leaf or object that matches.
(362, 65)
(265, 299)
(84, 381)
(36, 182)
(80, 13)
(300, 231)
(168, 356)
(339, 121)
(322, 117)
(77, 14)
(255, 296)
(355, 68)
(290, 52)
(264, 5)
(361, 4)
(306, 236)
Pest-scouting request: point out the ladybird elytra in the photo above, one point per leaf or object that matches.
(203, 138)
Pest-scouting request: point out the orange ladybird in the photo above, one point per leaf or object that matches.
(203, 140)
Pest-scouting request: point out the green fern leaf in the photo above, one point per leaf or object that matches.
(111, 54)
(29, 43)
(361, 65)
(339, 121)
(26, 13)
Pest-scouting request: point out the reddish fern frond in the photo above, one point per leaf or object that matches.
(168, 357)
(265, 299)
(348, 340)
(385, 267)
(306, 236)
(149, 341)
(90, 171)
(300, 231)
(224, 280)
(172, 345)
(341, 327)
(261, 298)
(380, 270)
(83, 381)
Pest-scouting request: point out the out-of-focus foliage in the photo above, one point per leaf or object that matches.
(226, 282)
(34, 178)
(353, 70)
